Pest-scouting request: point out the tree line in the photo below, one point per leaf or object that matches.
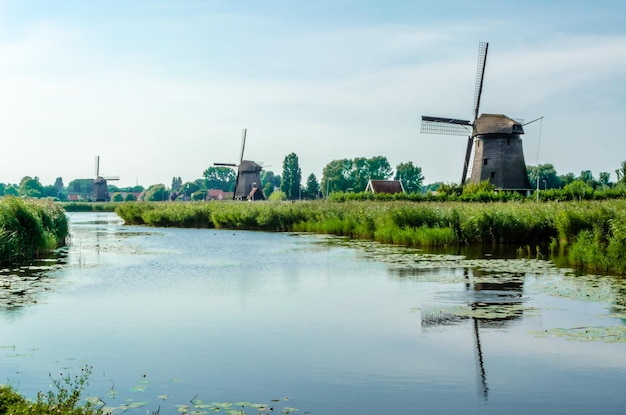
(339, 176)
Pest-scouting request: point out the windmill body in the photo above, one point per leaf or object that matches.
(100, 185)
(497, 154)
(494, 147)
(248, 185)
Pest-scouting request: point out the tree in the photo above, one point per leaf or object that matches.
(177, 183)
(270, 182)
(10, 190)
(30, 187)
(587, 177)
(566, 179)
(343, 175)
(117, 197)
(292, 177)
(336, 176)
(545, 172)
(223, 178)
(156, 193)
(411, 177)
(312, 187)
(621, 173)
(604, 180)
(189, 188)
(129, 197)
(58, 186)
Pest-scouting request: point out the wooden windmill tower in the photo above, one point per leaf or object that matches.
(494, 145)
(248, 186)
(100, 186)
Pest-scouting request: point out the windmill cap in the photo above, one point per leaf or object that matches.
(497, 124)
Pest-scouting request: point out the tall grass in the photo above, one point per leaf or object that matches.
(591, 232)
(30, 228)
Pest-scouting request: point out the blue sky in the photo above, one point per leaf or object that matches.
(160, 89)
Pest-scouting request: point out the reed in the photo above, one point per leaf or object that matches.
(30, 228)
(590, 232)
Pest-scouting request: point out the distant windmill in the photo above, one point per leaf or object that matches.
(100, 186)
(248, 186)
(494, 146)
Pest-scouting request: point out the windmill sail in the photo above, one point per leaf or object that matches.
(494, 150)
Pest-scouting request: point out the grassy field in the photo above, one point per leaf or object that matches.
(591, 233)
(30, 228)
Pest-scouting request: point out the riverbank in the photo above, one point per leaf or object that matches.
(30, 228)
(592, 234)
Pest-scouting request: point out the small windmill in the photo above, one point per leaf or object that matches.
(248, 185)
(494, 146)
(100, 186)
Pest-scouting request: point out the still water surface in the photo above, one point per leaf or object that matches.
(317, 324)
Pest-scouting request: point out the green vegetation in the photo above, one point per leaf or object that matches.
(88, 206)
(30, 228)
(592, 234)
(62, 400)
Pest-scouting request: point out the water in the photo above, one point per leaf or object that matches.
(169, 316)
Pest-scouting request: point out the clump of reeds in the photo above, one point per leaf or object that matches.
(589, 231)
(30, 228)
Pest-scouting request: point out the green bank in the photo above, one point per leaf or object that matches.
(30, 228)
(591, 234)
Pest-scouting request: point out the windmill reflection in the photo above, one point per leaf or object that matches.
(492, 301)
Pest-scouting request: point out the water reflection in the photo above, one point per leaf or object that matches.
(24, 284)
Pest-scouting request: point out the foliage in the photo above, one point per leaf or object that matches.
(30, 187)
(411, 177)
(352, 175)
(29, 229)
(270, 182)
(277, 195)
(222, 178)
(591, 232)
(546, 173)
(88, 206)
(292, 177)
(157, 192)
(312, 187)
(62, 400)
(177, 183)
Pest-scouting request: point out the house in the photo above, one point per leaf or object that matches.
(384, 186)
(215, 194)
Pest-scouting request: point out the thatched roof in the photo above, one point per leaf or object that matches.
(497, 124)
(384, 186)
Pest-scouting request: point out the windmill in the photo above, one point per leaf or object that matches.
(100, 186)
(248, 185)
(502, 295)
(494, 145)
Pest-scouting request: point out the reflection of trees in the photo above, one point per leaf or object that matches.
(493, 300)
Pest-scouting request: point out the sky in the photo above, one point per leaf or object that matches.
(162, 88)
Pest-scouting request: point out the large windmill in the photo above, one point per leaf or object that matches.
(100, 186)
(248, 186)
(494, 145)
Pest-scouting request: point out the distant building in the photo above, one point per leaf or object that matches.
(385, 186)
(215, 194)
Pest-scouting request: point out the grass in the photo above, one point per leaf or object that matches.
(590, 232)
(30, 228)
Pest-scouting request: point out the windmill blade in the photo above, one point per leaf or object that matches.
(445, 126)
(483, 47)
(243, 143)
(97, 166)
(225, 164)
